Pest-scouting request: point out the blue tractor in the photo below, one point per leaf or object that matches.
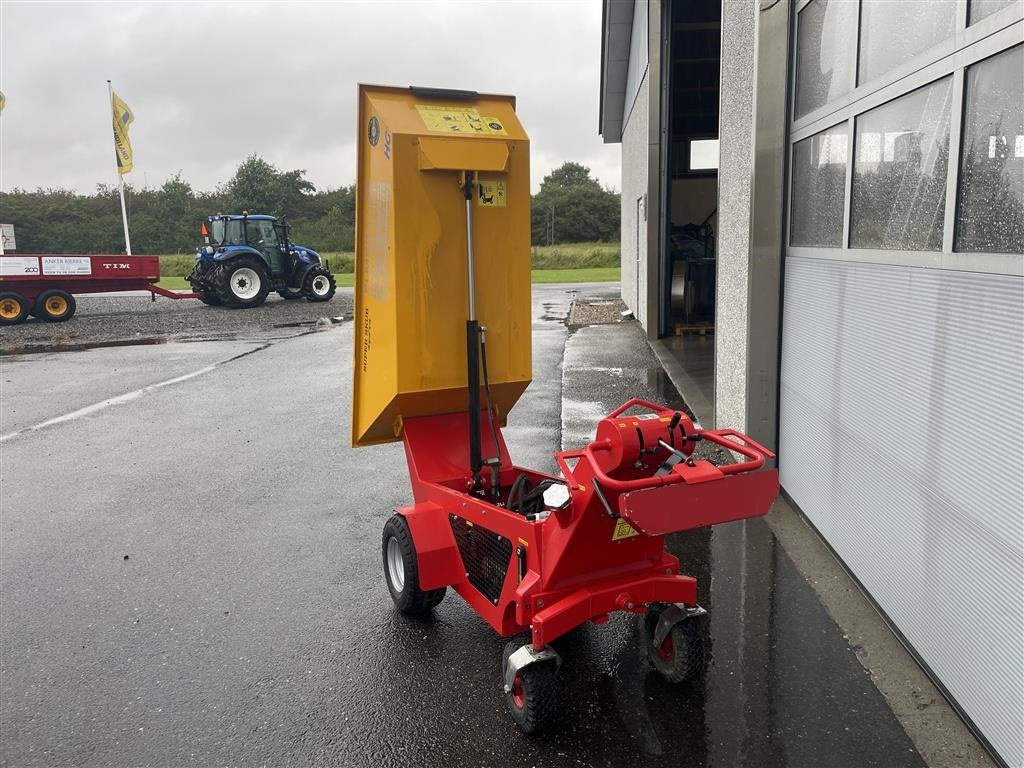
(244, 257)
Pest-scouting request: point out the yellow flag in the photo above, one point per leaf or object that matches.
(123, 118)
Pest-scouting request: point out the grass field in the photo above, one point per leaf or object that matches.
(566, 263)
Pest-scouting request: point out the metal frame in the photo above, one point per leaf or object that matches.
(967, 46)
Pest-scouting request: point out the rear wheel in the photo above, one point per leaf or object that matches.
(55, 306)
(401, 570)
(243, 283)
(319, 285)
(680, 655)
(210, 299)
(533, 698)
(13, 308)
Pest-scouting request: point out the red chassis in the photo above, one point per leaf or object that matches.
(603, 550)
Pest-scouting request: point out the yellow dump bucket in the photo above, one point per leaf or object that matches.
(416, 147)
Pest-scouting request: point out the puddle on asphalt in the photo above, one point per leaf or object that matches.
(67, 346)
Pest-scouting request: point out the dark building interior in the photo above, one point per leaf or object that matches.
(689, 282)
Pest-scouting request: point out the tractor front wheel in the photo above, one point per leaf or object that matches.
(319, 285)
(401, 570)
(243, 283)
(680, 655)
(533, 698)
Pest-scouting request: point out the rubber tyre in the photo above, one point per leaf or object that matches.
(289, 295)
(312, 286)
(227, 287)
(681, 655)
(13, 308)
(408, 597)
(533, 700)
(210, 299)
(55, 306)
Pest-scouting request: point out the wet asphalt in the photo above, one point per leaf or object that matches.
(190, 574)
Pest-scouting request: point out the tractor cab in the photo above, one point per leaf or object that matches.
(265, 234)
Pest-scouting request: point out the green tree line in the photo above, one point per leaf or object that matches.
(571, 207)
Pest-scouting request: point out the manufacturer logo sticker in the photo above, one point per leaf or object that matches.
(373, 131)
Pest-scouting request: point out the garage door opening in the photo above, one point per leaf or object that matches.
(688, 280)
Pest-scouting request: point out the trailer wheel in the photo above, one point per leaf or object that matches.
(401, 570)
(681, 654)
(533, 700)
(13, 308)
(243, 283)
(319, 285)
(55, 306)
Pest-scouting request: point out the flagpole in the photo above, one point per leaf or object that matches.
(120, 181)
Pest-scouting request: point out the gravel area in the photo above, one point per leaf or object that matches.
(109, 320)
(597, 312)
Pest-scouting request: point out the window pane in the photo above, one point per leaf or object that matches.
(703, 154)
(990, 216)
(826, 34)
(894, 31)
(982, 8)
(899, 172)
(819, 188)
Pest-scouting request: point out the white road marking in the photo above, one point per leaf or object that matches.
(104, 404)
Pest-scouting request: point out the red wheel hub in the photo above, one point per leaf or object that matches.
(518, 695)
(666, 650)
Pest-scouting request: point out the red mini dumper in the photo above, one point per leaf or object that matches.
(531, 553)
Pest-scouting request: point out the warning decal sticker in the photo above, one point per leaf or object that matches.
(444, 119)
(623, 530)
(492, 194)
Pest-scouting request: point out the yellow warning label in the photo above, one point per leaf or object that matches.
(492, 194)
(444, 119)
(623, 530)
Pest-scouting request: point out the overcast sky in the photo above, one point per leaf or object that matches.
(211, 83)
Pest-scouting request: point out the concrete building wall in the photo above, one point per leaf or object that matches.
(634, 201)
(735, 168)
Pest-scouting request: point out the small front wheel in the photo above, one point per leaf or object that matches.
(319, 285)
(532, 699)
(680, 655)
(401, 570)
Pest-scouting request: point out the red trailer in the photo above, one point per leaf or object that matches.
(45, 285)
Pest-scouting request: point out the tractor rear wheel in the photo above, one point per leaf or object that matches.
(680, 655)
(533, 699)
(319, 285)
(243, 283)
(401, 570)
(210, 299)
(13, 308)
(55, 306)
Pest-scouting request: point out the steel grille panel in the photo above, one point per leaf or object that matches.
(485, 554)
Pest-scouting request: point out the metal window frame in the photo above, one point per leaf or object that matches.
(968, 45)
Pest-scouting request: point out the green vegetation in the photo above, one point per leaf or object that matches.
(571, 207)
(568, 258)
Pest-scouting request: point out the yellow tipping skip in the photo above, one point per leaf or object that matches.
(411, 281)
